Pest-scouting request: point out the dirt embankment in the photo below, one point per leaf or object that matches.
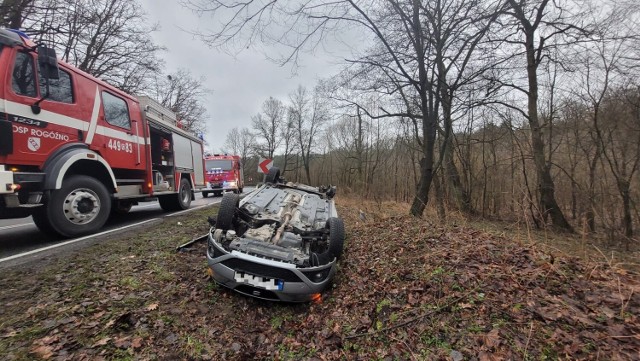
(406, 289)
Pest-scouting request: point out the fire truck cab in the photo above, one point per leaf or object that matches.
(224, 173)
(74, 149)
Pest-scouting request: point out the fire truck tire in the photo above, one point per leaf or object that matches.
(227, 211)
(179, 201)
(121, 207)
(42, 221)
(81, 206)
(205, 194)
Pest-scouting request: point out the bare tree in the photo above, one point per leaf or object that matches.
(109, 39)
(240, 142)
(532, 18)
(288, 137)
(305, 25)
(13, 12)
(308, 115)
(267, 127)
(184, 95)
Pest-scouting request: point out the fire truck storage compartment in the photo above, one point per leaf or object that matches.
(162, 158)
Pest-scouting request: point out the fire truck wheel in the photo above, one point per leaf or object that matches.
(121, 207)
(80, 207)
(205, 194)
(178, 201)
(227, 211)
(42, 221)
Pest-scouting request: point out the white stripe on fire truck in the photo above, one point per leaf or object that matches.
(23, 110)
(94, 118)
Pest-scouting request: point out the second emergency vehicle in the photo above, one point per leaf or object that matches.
(224, 173)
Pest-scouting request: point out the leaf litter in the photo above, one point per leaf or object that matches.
(406, 289)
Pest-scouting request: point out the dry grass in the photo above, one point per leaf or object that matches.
(591, 248)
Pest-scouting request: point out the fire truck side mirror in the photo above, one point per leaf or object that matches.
(48, 62)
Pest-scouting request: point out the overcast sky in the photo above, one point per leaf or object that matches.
(237, 85)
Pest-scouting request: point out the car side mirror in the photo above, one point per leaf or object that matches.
(48, 62)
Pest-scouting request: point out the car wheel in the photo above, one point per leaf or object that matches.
(81, 206)
(227, 211)
(273, 176)
(179, 201)
(205, 194)
(336, 236)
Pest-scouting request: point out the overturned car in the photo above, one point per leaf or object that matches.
(281, 242)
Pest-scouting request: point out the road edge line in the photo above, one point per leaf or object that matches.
(71, 241)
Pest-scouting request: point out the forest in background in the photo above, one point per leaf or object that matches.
(523, 111)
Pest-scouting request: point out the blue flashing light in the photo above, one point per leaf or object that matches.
(21, 33)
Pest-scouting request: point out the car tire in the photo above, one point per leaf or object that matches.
(80, 207)
(179, 201)
(227, 211)
(336, 236)
(273, 176)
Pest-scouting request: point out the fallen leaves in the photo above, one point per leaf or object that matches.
(406, 289)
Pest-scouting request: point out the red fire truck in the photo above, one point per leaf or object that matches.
(74, 149)
(224, 173)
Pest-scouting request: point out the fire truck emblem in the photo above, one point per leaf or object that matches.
(33, 144)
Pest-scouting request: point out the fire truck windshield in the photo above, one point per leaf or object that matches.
(219, 163)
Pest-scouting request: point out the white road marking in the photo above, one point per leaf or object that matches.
(72, 241)
(15, 226)
(94, 235)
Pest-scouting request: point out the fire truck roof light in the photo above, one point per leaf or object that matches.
(10, 38)
(22, 34)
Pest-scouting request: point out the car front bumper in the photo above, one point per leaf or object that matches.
(267, 279)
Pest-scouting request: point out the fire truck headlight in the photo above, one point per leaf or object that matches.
(231, 184)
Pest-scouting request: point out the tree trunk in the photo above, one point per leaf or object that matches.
(546, 188)
(627, 222)
(422, 192)
(442, 214)
(460, 195)
(11, 13)
(429, 118)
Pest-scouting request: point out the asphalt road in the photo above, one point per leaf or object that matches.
(21, 235)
